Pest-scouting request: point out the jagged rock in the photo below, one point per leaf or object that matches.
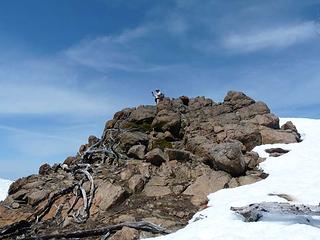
(167, 121)
(136, 183)
(37, 196)
(199, 102)
(126, 234)
(155, 157)
(238, 99)
(70, 161)
(108, 195)
(17, 185)
(228, 157)
(44, 169)
(268, 120)
(251, 159)
(143, 114)
(137, 151)
(271, 136)
(92, 140)
(205, 184)
(129, 139)
(290, 126)
(175, 154)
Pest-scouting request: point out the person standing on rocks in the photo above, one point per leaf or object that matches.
(158, 96)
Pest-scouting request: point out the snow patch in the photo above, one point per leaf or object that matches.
(296, 174)
(4, 186)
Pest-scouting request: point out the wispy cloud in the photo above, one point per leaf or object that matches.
(278, 37)
(122, 52)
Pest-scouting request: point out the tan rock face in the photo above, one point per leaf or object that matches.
(205, 184)
(271, 136)
(108, 195)
(126, 234)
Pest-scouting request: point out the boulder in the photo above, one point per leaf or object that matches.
(126, 233)
(229, 158)
(70, 160)
(205, 184)
(108, 195)
(44, 169)
(92, 140)
(143, 114)
(271, 136)
(251, 159)
(155, 157)
(237, 99)
(167, 121)
(129, 139)
(37, 196)
(137, 151)
(290, 126)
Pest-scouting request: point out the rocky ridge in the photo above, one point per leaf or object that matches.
(154, 164)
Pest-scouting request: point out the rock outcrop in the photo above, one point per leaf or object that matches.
(152, 163)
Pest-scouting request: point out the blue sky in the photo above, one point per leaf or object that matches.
(67, 66)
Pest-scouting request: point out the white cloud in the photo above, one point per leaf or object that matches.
(279, 37)
(123, 52)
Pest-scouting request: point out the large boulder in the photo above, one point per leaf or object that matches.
(271, 136)
(108, 195)
(126, 233)
(228, 157)
(167, 121)
(137, 151)
(205, 184)
(237, 99)
(129, 139)
(143, 114)
(155, 157)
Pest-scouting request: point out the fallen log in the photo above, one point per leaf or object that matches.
(284, 212)
(142, 225)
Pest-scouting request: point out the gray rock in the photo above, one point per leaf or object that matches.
(143, 114)
(167, 121)
(205, 184)
(108, 195)
(137, 151)
(228, 157)
(126, 233)
(271, 136)
(155, 157)
(129, 139)
(136, 183)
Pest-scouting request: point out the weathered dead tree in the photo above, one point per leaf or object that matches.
(106, 147)
(284, 212)
(142, 225)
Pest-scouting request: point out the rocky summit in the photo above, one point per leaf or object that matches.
(151, 170)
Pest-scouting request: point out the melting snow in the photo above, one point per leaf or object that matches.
(296, 174)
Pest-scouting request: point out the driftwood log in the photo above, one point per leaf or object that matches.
(284, 212)
(142, 225)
